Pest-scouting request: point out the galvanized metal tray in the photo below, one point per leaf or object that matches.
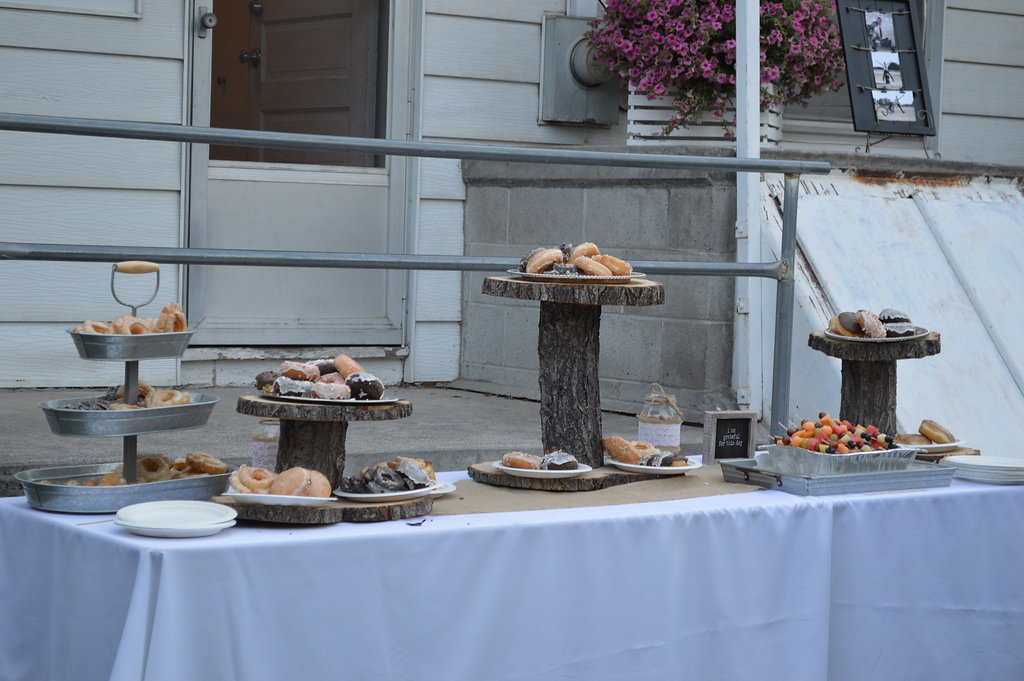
(126, 348)
(105, 423)
(758, 471)
(81, 499)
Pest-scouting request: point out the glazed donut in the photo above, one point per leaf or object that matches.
(94, 327)
(330, 391)
(591, 267)
(621, 450)
(166, 398)
(118, 406)
(644, 448)
(171, 322)
(204, 463)
(346, 365)
(620, 268)
(152, 468)
(935, 432)
(869, 322)
(586, 249)
(543, 260)
(111, 479)
(126, 324)
(144, 390)
(248, 480)
(171, 308)
(301, 482)
(521, 460)
(299, 371)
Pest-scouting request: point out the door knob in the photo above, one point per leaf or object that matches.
(207, 20)
(252, 58)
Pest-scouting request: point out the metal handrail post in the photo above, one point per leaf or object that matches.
(784, 296)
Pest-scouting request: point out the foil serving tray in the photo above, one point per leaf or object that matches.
(915, 475)
(80, 499)
(104, 423)
(799, 461)
(126, 348)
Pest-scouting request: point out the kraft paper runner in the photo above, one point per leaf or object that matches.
(474, 497)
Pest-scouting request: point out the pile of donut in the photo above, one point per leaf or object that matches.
(155, 468)
(295, 482)
(171, 320)
(340, 378)
(583, 259)
(928, 433)
(888, 323)
(641, 453)
(400, 474)
(147, 398)
(552, 461)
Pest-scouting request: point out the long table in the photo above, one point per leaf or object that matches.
(763, 585)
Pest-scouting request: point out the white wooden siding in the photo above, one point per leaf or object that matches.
(86, 190)
(528, 11)
(480, 48)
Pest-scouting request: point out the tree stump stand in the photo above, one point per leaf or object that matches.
(568, 346)
(313, 435)
(869, 374)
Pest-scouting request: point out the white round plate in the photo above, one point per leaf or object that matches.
(277, 499)
(934, 447)
(175, 532)
(442, 488)
(577, 278)
(979, 462)
(181, 514)
(318, 400)
(919, 333)
(654, 470)
(530, 473)
(386, 496)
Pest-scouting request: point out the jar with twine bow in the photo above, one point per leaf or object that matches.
(660, 422)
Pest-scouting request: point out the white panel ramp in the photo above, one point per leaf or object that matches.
(945, 254)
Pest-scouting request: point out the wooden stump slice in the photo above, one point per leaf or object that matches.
(599, 478)
(331, 512)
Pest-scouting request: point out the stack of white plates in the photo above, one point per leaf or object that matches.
(176, 518)
(997, 470)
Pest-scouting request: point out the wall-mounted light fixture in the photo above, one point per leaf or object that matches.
(574, 86)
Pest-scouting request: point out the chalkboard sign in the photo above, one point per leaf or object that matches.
(729, 435)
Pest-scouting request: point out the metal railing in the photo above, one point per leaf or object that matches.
(780, 270)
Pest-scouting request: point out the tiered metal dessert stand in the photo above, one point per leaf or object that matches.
(127, 424)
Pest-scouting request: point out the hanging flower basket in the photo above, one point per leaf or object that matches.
(680, 55)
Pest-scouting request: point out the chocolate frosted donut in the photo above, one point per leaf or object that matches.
(566, 250)
(265, 380)
(365, 386)
(563, 268)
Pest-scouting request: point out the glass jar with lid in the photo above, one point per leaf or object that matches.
(660, 422)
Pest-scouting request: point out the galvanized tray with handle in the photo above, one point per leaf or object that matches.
(106, 423)
(759, 471)
(123, 348)
(52, 496)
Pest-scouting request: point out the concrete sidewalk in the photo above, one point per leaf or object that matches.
(453, 428)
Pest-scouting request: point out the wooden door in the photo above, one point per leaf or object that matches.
(305, 66)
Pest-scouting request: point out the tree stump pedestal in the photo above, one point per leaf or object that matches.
(869, 374)
(313, 435)
(568, 346)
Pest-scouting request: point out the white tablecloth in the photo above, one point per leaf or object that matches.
(916, 585)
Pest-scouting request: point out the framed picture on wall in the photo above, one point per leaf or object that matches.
(885, 67)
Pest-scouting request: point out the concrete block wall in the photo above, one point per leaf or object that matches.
(636, 214)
